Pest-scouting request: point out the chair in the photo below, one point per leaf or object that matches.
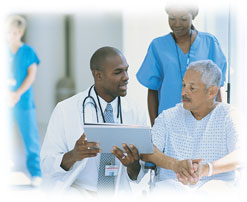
(153, 172)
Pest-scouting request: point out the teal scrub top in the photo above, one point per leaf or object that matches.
(160, 69)
(19, 64)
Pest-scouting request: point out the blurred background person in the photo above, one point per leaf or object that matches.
(168, 57)
(23, 63)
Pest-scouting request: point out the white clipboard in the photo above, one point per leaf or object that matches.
(109, 135)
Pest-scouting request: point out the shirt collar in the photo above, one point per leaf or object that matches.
(104, 103)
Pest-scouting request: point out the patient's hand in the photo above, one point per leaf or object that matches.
(201, 170)
(188, 173)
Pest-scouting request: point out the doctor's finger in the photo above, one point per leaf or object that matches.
(91, 144)
(90, 151)
(127, 150)
(117, 151)
(87, 145)
(89, 155)
(82, 138)
(135, 152)
(119, 154)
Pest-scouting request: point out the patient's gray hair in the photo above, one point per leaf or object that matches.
(211, 73)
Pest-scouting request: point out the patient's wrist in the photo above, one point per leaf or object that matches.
(174, 165)
(204, 170)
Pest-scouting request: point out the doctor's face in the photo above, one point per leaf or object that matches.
(115, 76)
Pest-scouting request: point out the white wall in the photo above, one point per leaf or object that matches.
(45, 33)
(93, 30)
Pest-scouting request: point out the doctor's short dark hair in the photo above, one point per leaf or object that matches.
(99, 56)
(211, 73)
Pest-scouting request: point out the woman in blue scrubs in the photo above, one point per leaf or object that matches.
(23, 63)
(168, 56)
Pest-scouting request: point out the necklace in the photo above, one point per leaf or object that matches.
(188, 57)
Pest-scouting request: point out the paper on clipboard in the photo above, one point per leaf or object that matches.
(109, 135)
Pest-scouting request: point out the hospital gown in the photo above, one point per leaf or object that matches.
(179, 135)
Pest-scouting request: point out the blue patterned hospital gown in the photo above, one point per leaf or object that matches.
(179, 135)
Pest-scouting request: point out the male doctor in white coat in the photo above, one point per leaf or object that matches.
(68, 160)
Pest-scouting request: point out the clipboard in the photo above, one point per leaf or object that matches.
(109, 135)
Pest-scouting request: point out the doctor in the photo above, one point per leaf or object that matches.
(67, 159)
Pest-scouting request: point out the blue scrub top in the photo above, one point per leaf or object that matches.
(160, 69)
(19, 64)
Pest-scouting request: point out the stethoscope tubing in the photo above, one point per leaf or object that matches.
(119, 113)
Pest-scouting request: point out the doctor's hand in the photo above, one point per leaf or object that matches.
(131, 160)
(82, 149)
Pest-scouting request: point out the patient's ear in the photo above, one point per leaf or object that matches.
(212, 92)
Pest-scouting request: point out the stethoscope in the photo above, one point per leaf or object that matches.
(93, 102)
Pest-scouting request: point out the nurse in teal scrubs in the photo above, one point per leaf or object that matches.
(23, 64)
(168, 56)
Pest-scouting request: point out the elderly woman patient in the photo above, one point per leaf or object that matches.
(197, 140)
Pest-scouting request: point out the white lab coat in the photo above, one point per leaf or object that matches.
(65, 128)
